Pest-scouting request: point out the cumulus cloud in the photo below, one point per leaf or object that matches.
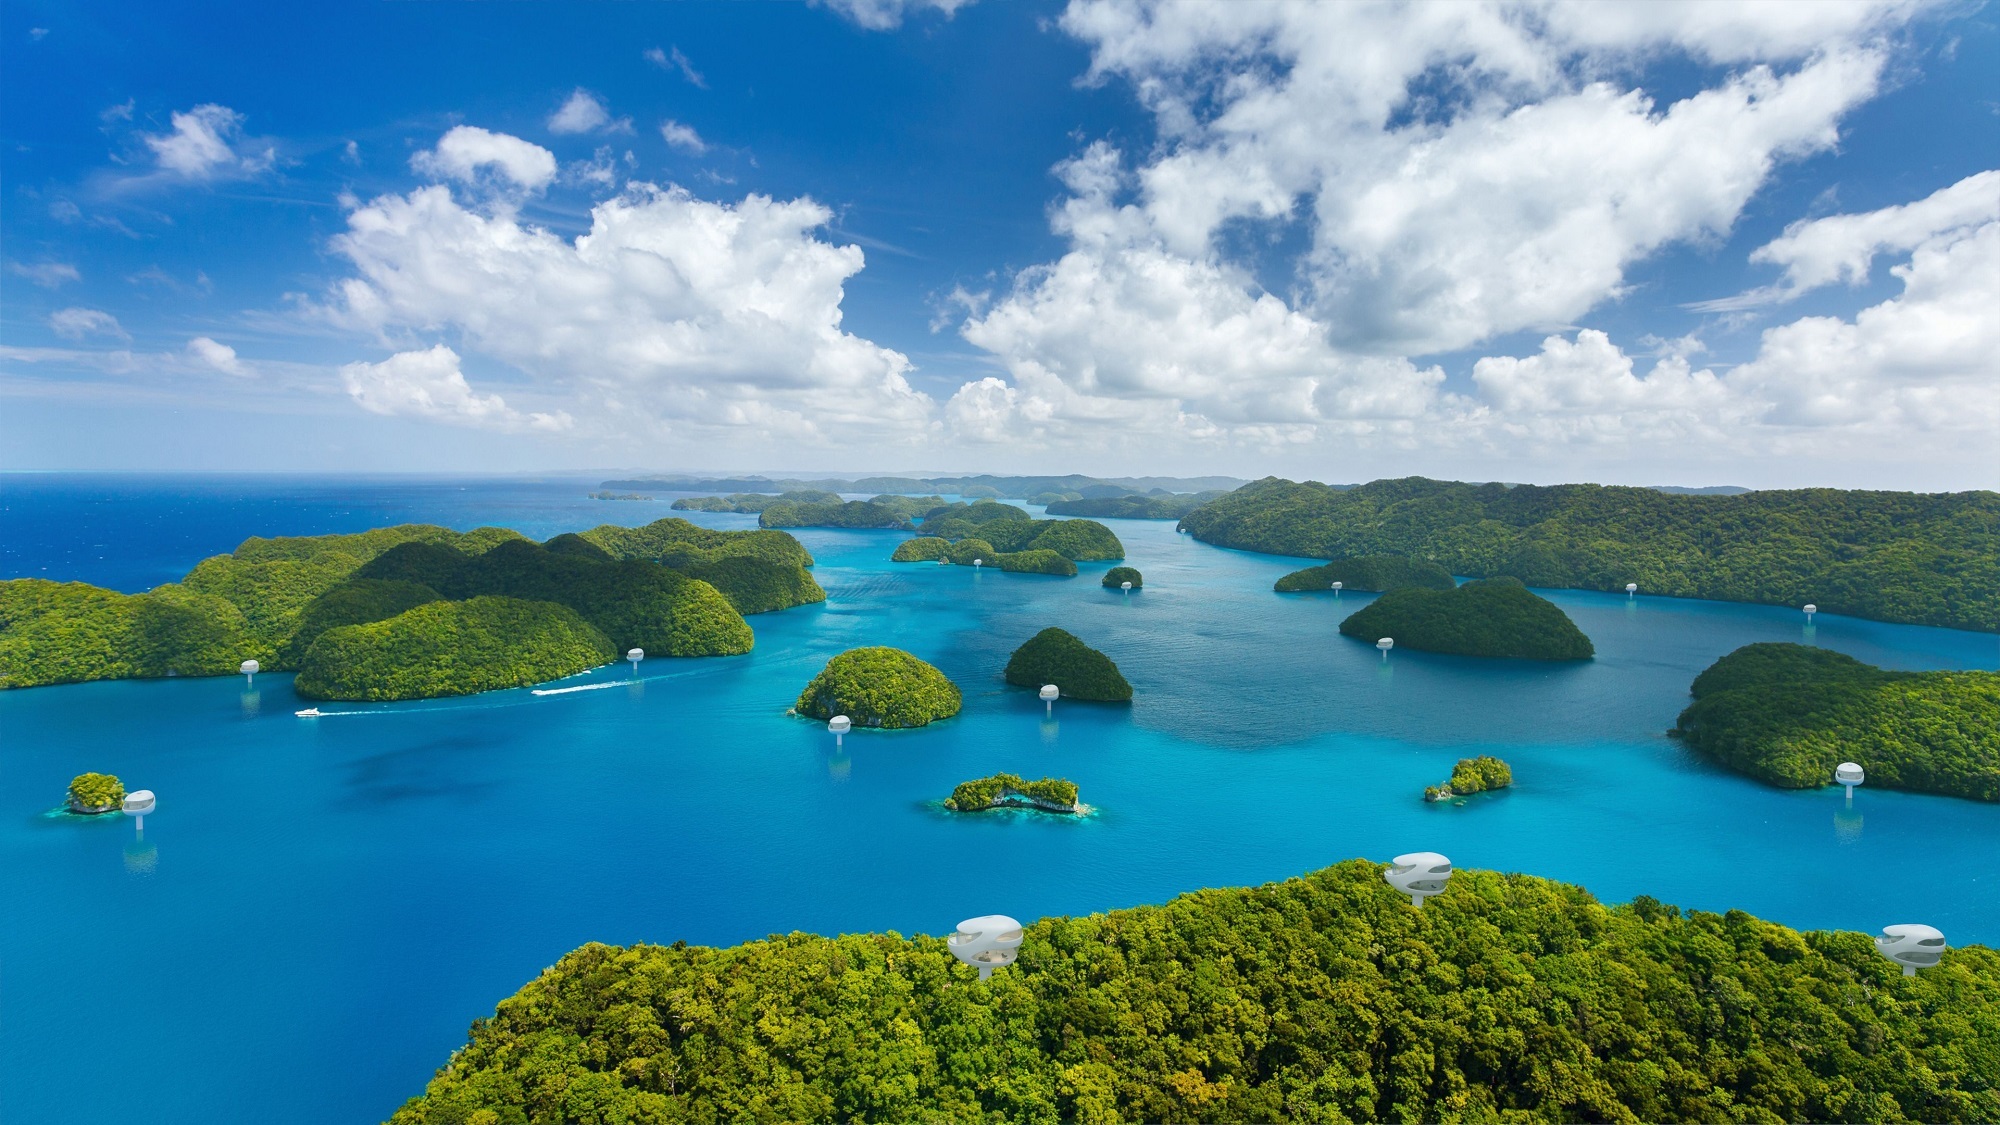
(1586, 389)
(48, 275)
(221, 357)
(682, 137)
(671, 313)
(887, 15)
(75, 323)
(469, 154)
(585, 113)
(429, 384)
(207, 143)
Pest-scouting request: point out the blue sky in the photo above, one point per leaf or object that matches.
(1746, 243)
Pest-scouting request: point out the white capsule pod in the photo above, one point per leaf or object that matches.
(1850, 775)
(1125, 586)
(839, 725)
(1911, 945)
(137, 804)
(249, 668)
(1418, 874)
(1385, 644)
(635, 655)
(978, 562)
(986, 943)
(1631, 589)
(1810, 610)
(1337, 587)
(1049, 694)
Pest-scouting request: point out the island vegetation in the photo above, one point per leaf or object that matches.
(1788, 714)
(1010, 791)
(1119, 575)
(94, 793)
(897, 512)
(1495, 617)
(754, 503)
(1009, 528)
(968, 552)
(1036, 562)
(1369, 574)
(1472, 775)
(452, 648)
(609, 495)
(1321, 998)
(1056, 656)
(1157, 506)
(880, 687)
(1923, 559)
(924, 548)
(670, 587)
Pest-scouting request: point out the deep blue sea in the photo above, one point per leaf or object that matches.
(319, 908)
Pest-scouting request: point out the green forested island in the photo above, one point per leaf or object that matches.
(1055, 656)
(1117, 576)
(1321, 998)
(1151, 507)
(1925, 559)
(817, 508)
(1788, 714)
(1369, 574)
(1472, 775)
(1010, 529)
(1490, 617)
(94, 793)
(1006, 790)
(880, 687)
(670, 587)
(754, 503)
(452, 648)
(1036, 561)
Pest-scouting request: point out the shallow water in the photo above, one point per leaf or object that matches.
(320, 907)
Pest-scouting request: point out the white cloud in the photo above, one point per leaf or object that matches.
(585, 113)
(351, 152)
(76, 323)
(207, 143)
(219, 356)
(671, 313)
(887, 15)
(467, 150)
(682, 136)
(676, 61)
(429, 384)
(1586, 390)
(48, 275)
(1842, 248)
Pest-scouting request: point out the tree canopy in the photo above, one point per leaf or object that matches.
(1321, 998)
(95, 792)
(880, 687)
(1492, 617)
(1924, 559)
(1369, 574)
(1002, 790)
(1118, 575)
(1788, 714)
(1056, 656)
(452, 648)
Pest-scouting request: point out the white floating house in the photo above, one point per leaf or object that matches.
(1912, 946)
(1631, 589)
(1127, 587)
(1336, 588)
(978, 562)
(986, 943)
(249, 668)
(137, 804)
(635, 655)
(1850, 775)
(1810, 610)
(1418, 874)
(1050, 693)
(1385, 644)
(839, 725)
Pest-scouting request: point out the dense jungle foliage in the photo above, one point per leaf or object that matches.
(753, 503)
(880, 687)
(1004, 789)
(1925, 559)
(1322, 998)
(95, 792)
(1121, 574)
(756, 585)
(1788, 714)
(1009, 528)
(881, 511)
(356, 601)
(675, 542)
(1489, 617)
(67, 632)
(1472, 775)
(1035, 562)
(1369, 574)
(967, 551)
(1054, 656)
(924, 548)
(1171, 507)
(452, 648)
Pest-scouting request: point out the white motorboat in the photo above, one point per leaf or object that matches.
(308, 713)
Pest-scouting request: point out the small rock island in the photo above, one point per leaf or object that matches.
(880, 687)
(1117, 576)
(1787, 714)
(91, 794)
(1010, 791)
(1472, 775)
(1371, 574)
(1055, 656)
(1496, 617)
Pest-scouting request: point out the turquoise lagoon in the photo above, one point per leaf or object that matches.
(320, 907)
